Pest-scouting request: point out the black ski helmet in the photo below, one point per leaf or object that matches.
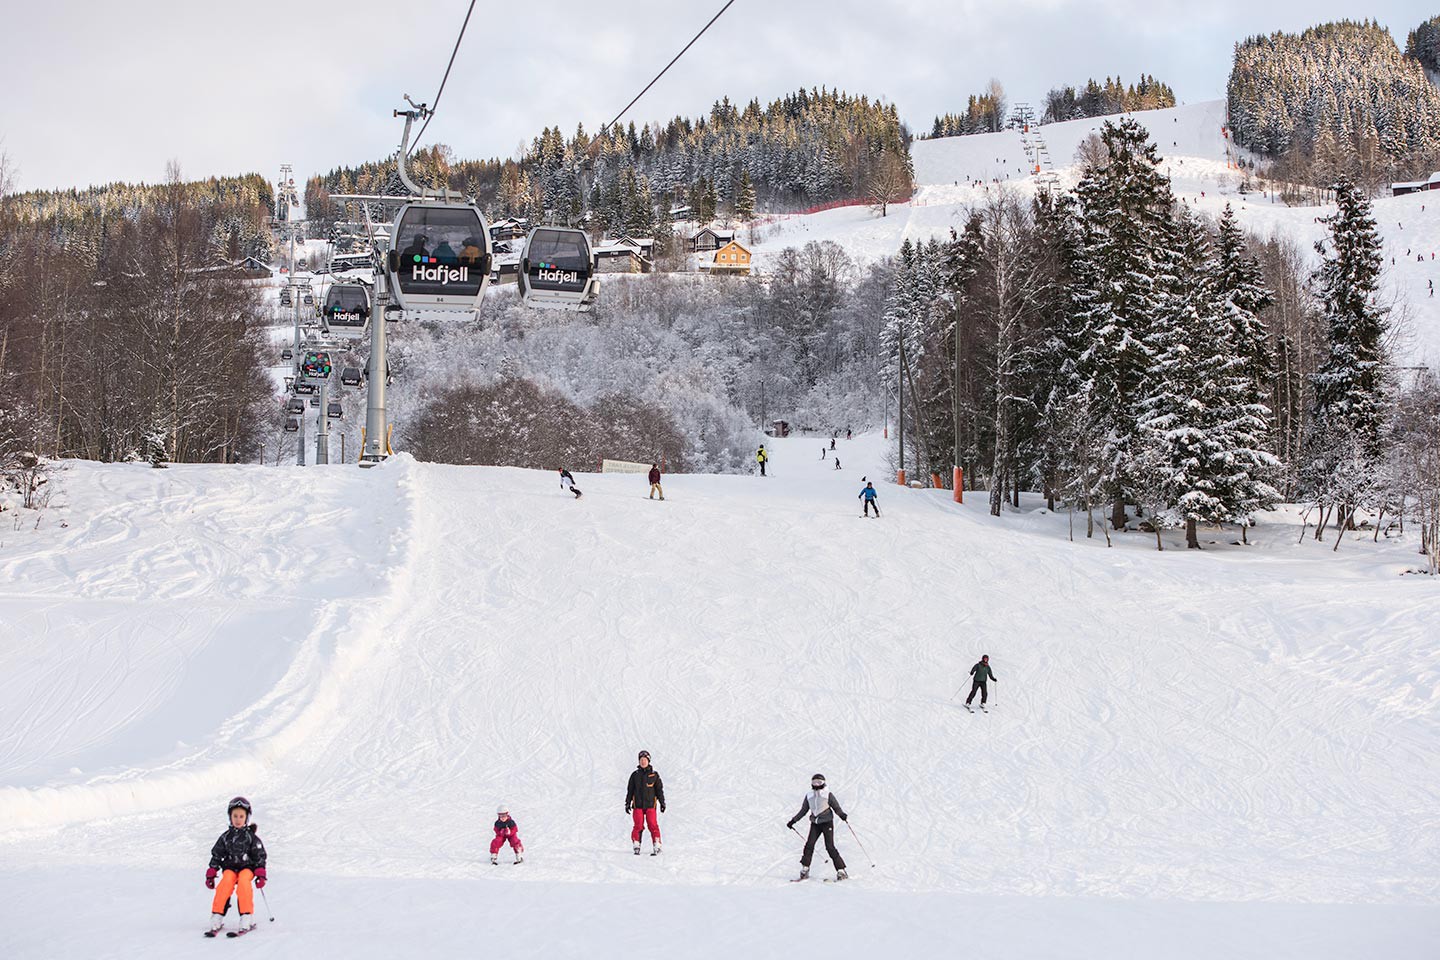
(984, 656)
(817, 781)
(240, 802)
(644, 755)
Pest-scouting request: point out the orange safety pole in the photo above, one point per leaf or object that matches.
(935, 481)
(901, 478)
(959, 480)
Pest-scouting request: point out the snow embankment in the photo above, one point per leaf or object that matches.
(180, 630)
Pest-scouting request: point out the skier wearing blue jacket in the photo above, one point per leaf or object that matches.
(868, 495)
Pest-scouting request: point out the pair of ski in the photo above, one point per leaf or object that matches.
(823, 879)
(972, 709)
(654, 851)
(229, 934)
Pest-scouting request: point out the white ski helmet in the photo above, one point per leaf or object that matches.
(501, 810)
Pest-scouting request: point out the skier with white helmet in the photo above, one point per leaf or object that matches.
(822, 808)
(506, 832)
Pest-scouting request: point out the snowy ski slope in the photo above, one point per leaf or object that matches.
(1191, 143)
(1229, 752)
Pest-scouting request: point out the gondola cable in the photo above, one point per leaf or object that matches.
(662, 73)
(436, 105)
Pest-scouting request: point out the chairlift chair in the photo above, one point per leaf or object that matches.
(440, 256)
(557, 269)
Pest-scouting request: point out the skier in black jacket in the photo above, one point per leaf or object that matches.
(241, 856)
(645, 790)
(981, 672)
(823, 808)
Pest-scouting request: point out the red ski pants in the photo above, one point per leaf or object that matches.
(501, 838)
(227, 883)
(643, 819)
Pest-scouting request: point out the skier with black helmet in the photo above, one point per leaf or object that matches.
(237, 858)
(645, 791)
(981, 672)
(822, 808)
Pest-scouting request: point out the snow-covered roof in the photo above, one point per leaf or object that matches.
(1434, 178)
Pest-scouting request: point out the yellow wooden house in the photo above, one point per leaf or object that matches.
(732, 258)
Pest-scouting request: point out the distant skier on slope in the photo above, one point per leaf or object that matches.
(868, 495)
(643, 793)
(655, 482)
(823, 808)
(761, 457)
(241, 856)
(565, 477)
(982, 673)
(506, 832)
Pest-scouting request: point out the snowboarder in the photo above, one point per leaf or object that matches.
(823, 808)
(761, 457)
(655, 482)
(506, 832)
(565, 478)
(868, 495)
(981, 672)
(645, 791)
(837, 467)
(237, 858)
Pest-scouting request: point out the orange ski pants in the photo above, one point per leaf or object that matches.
(227, 883)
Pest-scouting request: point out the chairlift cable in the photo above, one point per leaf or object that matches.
(652, 83)
(436, 105)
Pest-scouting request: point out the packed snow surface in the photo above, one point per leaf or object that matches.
(1189, 755)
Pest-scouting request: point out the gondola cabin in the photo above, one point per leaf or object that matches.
(350, 376)
(316, 366)
(334, 411)
(439, 257)
(295, 405)
(292, 425)
(557, 269)
(347, 310)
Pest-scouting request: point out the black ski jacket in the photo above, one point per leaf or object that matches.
(645, 789)
(239, 848)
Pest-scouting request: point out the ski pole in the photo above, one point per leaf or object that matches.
(860, 845)
(802, 837)
(267, 904)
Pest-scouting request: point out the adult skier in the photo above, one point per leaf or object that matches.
(237, 858)
(823, 808)
(506, 832)
(645, 791)
(761, 457)
(868, 495)
(655, 482)
(981, 672)
(566, 477)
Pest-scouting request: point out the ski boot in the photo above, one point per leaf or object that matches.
(519, 858)
(804, 873)
(637, 848)
(655, 850)
(217, 923)
(841, 875)
(494, 859)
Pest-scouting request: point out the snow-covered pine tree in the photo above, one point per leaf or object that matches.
(1201, 458)
(745, 198)
(1126, 209)
(1351, 396)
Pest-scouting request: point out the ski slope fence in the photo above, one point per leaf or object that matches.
(623, 466)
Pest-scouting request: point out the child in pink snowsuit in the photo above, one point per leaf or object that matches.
(506, 831)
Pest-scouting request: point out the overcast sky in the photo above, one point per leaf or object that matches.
(98, 92)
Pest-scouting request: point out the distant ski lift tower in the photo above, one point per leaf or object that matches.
(284, 191)
(1037, 154)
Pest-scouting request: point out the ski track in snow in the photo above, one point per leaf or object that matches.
(378, 658)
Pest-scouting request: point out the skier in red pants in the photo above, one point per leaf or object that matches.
(645, 791)
(506, 832)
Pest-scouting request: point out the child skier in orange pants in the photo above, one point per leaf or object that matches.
(241, 856)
